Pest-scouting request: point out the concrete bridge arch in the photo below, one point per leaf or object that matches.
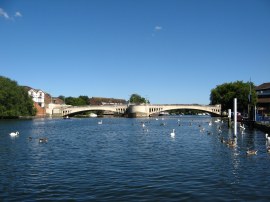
(72, 110)
(144, 110)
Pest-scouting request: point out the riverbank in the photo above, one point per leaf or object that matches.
(262, 126)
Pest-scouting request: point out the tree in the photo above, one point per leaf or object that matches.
(225, 93)
(80, 101)
(135, 98)
(14, 100)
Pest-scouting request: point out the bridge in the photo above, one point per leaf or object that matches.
(143, 110)
(72, 110)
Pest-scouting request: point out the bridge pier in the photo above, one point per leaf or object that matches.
(136, 111)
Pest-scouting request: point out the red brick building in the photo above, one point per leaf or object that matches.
(263, 94)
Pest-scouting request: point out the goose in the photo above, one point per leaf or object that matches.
(14, 134)
(100, 122)
(231, 143)
(173, 134)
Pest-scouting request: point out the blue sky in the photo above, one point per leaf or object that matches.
(170, 51)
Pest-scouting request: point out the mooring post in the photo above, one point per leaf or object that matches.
(229, 118)
(235, 116)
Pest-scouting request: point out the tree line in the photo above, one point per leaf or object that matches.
(225, 93)
(15, 101)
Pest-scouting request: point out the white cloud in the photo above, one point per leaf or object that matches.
(4, 14)
(18, 14)
(158, 28)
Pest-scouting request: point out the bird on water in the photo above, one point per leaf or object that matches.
(14, 134)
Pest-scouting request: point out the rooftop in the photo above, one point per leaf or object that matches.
(263, 86)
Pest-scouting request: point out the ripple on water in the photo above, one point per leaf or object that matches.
(120, 161)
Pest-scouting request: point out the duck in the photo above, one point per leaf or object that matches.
(222, 140)
(251, 152)
(14, 134)
(43, 140)
(173, 134)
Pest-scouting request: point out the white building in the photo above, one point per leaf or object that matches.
(38, 96)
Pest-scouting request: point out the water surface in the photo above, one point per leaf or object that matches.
(122, 161)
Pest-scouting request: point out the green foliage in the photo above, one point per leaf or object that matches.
(135, 98)
(14, 100)
(80, 101)
(225, 93)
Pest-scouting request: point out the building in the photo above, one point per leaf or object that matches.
(263, 94)
(43, 101)
(38, 96)
(106, 101)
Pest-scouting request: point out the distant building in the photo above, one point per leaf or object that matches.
(38, 96)
(106, 101)
(263, 94)
(42, 100)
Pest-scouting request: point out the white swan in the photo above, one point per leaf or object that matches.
(100, 122)
(172, 134)
(242, 126)
(14, 134)
(267, 137)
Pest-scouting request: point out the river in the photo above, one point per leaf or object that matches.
(120, 160)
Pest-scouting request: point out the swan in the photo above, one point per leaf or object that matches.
(100, 122)
(143, 125)
(242, 126)
(173, 134)
(267, 137)
(14, 134)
